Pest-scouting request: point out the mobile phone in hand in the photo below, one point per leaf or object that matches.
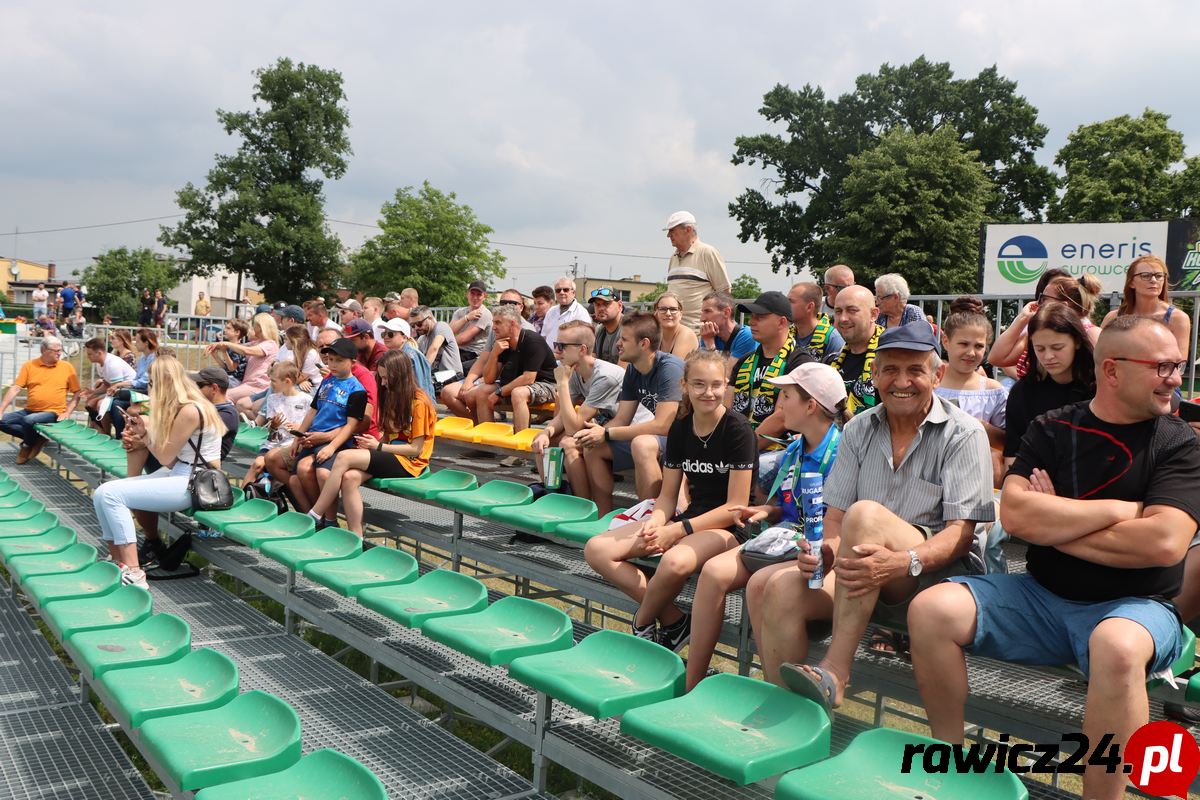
(1189, 411)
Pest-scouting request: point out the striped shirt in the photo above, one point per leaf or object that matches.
(694, 274)
(946, 473)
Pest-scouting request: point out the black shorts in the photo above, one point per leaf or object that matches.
(386, 465)
(305, 452)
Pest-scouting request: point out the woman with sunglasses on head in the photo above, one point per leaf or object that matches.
(406, 421)
(716, 451)
(677, 339)
(1145, 295)
(1057, 286)
(1061, 371)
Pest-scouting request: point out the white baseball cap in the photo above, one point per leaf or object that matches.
(822, 382)
(397, 324)
(680, 218)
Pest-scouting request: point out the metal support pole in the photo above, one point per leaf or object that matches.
(289, 617)
(541, 720)
(455, 539)
(743, 654)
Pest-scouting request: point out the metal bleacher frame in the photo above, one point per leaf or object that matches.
(1023, 702)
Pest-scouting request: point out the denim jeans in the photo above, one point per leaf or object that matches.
(20, 424)
(163, 490)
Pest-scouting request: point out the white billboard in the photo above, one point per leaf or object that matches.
(1015, 256)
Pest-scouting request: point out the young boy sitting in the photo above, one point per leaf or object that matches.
(283, 409)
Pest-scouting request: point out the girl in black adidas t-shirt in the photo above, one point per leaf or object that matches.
(716, 450)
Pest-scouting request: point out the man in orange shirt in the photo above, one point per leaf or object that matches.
(53, 391)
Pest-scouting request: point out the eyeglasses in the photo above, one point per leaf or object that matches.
(1150, 277)
(563, 290)
(670, 310)
(510, 302)
(560, 346)
(1165, 368)
(837, 287)
(880, 297)
(603, 292)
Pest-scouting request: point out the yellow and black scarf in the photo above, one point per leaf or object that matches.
(743, 380)
(860, 391)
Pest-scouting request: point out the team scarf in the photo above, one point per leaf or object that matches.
(743, 381)
(860, 391)
(819, 337)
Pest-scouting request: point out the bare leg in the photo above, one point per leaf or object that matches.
(352, 503)
(303, 482)
(452, 397)
(674, 568)
(719, 576)
(345, 460)
(322, 477)
(755, 590)
(126, 554)
(609, 555)
(574, 467)
(646, 467)
(788, 606)
(520, 404)
(598, 461)
(1119, 650)
(941, 622)
(483, 399)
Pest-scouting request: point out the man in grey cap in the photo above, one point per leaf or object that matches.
(695, 268)
(351, 310)
(897, 525)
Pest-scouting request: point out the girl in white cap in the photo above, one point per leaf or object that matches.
(813, 399)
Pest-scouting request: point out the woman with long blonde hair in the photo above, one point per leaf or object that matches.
(183, 429)
(1147, 283)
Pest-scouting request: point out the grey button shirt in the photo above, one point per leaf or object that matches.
(946, 473)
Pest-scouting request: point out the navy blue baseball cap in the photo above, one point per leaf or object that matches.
(913, 336)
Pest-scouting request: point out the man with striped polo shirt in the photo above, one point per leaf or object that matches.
(695, 268)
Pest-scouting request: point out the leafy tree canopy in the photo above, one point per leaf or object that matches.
(745, 287)
(261, 211)
(429, 242)
(914, 205)
(811, 159)
(116, 278)
(1126, 168)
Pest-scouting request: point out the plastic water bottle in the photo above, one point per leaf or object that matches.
(812, 509)
(266, 482)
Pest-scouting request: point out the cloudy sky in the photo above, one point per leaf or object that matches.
(567, 125)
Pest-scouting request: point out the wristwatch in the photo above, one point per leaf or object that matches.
(914, 563)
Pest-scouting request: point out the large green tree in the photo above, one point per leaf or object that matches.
(116, 278)
(809, 161)
(427, 241)
(1126, 168)
(745, 287)
(261, 212)
(913, 204)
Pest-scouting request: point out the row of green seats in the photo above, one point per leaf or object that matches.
(102, 451)
(183, 703)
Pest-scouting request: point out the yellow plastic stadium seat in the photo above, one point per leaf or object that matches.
(522, 440)
(491, 433)
(550, 407)
(454, 428)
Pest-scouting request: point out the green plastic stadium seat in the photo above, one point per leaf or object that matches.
(737, 727)
(54, 540)
(13, 499)
(429, 485)
(321, 775)
(439, 593)
(74, 558)
(580, 532)
(201, 680)
(291, 525)
(254, 734)
(256, 510)
(99, 579)
(329, 544)
(34, 526)
(159, 639)
(869, 769)
(379, 566)
(1186, 660)
(250, 438)
(27, 510)
(604, 675)
(491, 495)
(507, 629)
(125, 605)
(546, 513)
(113, 466)
(9, 486)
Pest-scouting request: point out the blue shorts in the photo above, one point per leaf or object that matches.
(623, 454)
(1020, 621)
(305, 452)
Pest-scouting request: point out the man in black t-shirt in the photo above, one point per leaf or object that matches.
(1104, 492)
(522, 371)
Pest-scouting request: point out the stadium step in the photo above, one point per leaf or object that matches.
(438, 593)
(290, 525)
(606, 674)
(379, 566)
(546, 513)
(507, 629)
(201, 680)
(125, 605)
(580, 532)
(740, 728)
(97, 580)
(321, 775)
(429, 485)
(72, 559)
(26, 510)
(253, 734)
(870, 768)
(491, 495)
(256, 510)
(54, 540)
(329, 544)
(159, 639)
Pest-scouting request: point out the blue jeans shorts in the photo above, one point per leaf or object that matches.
(1020, 621)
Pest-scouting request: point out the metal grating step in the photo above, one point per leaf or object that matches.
(31, 676)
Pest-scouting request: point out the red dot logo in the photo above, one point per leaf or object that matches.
(1162, 759)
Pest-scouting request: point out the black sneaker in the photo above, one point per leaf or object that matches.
(648, 632)
(150, 552)
(676, 635)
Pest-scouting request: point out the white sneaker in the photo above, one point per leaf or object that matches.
(134, 576)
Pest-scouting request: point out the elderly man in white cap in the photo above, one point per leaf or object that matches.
(695, 268)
